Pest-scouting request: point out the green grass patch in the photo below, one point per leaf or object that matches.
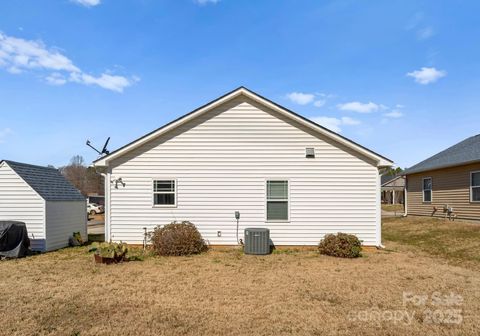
(456, 240)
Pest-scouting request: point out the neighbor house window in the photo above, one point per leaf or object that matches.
(164, 192)
(277, 200)
(427, 189)
(475, 186)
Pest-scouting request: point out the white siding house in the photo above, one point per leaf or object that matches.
(244, 153)
(45, 201)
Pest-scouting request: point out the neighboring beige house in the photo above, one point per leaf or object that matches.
(449, 179)
(393, 189)
(243, 152)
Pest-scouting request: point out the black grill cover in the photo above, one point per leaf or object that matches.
(14, 242)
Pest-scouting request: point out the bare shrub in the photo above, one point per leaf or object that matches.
(341, 245)
(176, 239)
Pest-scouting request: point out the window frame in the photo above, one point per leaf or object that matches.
(174, 205)
(278, 200)
(423, 189)
(472, 186)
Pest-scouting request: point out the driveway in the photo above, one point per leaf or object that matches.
(95, 226)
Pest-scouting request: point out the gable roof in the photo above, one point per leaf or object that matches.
(466, 151)
(387, 179)
(49, 183)
(381, 160)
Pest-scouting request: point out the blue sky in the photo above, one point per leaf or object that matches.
(400, 77)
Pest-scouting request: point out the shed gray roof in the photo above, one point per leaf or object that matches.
(464, 152)
(49, 183)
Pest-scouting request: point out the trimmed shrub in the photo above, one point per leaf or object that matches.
(341, 245)
(177, 239)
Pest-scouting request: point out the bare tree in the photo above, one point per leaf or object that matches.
(84, 178)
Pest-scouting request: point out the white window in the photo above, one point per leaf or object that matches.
(427, 189)
(277, 200)
(475, 186)
(164, 193)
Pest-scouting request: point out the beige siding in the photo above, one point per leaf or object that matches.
(221, 161)
(18, 201)
(63, 219)
(450, 186)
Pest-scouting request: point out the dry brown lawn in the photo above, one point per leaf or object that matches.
(393, 207)
(228, 293)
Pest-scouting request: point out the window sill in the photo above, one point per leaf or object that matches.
(164, 206)
(277, 221)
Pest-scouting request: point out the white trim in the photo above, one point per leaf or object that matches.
(405, 195)
(380, 161)
(174, 205)
(378, 219)
(288, 200)
(471, 186)
(108, 230)
(423, 190)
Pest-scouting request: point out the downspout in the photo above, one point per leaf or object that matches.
(405, 193)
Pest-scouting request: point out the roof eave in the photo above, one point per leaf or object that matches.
(408, 172)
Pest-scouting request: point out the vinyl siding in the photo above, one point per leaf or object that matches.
(18, 201)
(221, 162)
(63, 219)
(449, 186)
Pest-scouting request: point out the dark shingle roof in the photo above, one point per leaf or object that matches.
(49, 183)
(464, 152)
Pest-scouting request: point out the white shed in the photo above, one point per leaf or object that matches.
(45, 201)
(243, 152)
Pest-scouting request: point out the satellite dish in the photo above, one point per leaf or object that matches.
(104, 149)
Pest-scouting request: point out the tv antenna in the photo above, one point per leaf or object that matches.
(104, 149)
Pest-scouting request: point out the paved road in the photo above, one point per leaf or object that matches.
(95, 227)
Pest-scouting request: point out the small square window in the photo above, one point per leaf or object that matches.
(164, 193)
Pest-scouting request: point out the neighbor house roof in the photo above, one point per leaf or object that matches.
(48, 182)
(387, 178)
(467, 151)
(380, 160)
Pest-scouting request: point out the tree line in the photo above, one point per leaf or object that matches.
(84, 178)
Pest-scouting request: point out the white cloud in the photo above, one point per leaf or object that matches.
(56, 79)
(394, 114)
(320, 102)
(425, 33)
(301, 98)
(106, 81)
(4, 133)
(206, 2)
(87, 3)
(350, 121)
(359, 107)
(334, 123)
(329, 122)
(19, 55)
(426, 75)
